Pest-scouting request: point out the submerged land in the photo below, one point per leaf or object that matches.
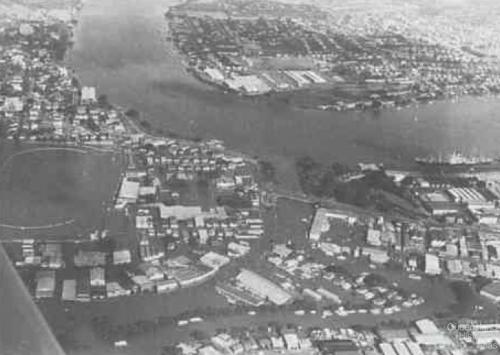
(175, 245)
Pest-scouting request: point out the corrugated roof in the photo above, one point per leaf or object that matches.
(493, 289)
(129, 190)
(263, 287)
(426, 326)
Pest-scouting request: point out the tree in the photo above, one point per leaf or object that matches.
(267, 171)
(234, 201)
(198, 335)
(145, 124)
(103, 101)
(375, 280)
(132, 113)
(311, 176)
(339, 169)
(170, 350)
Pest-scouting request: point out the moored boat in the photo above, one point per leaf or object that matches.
(454, 159)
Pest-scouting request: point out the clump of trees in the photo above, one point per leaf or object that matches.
(329, 181)
(267, 171)
(103, 102)
(373, 280)
(234, 201)
(171, 350)
(132, 113)
(145, 124)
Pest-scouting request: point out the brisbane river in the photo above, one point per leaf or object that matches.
(120, 48)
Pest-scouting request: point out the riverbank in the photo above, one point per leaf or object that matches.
(172, 100)
(322, 70)
(140, 75)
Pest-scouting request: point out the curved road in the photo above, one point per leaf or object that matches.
(45, 226)
(34, 150)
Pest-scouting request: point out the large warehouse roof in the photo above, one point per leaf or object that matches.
(129, 190)
(188, 212)
(263, 287)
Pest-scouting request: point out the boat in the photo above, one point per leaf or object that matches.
(454, 159)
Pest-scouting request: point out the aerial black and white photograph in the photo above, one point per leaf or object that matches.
(249, 177)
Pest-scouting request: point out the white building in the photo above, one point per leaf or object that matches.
(208, 350)
(321, 221)
(165, 286)
(426, 326)
(312, 294)
(373, 237)
(263, 287)
(291, 341)
(414, 348)
(473, 198)
(121, 257)
(113, 289)
(69, 290)
(378, 256)
(433, 340)
(238, 249)
(203, 236)
(401, 348)
(432, 266)
(486, 337)
(214, 260)
(13, 104)
(97, 277)
(387, 349)
(329, 295)
(88, 95)
(45, 283)
(129, 192)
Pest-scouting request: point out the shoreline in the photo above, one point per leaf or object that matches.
(358, 105)
(343, 104)
(360, 148)
(149, 132)
(134, 126)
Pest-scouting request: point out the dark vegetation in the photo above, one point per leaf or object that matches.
(135, 115)
(234, 201)
(145, 124)
(267, 171)
(132, 113)
(103, 102)
(60, 41)
(337, 181)
(373, 280)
